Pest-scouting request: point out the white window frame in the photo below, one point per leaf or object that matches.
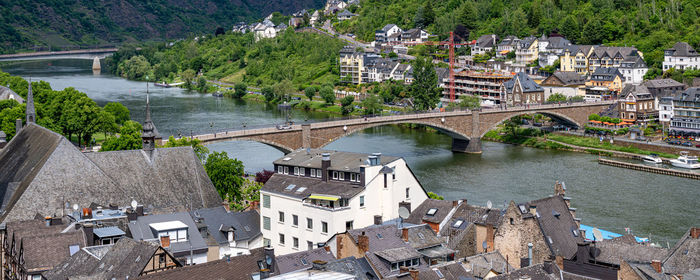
(309, 223)
(341, 176)
(324, 227)
(296, 170)
(362, 201)
(313, 173)
(286, 170)
(302, 171)
(335, 175)
(319, 174)
(280, 169)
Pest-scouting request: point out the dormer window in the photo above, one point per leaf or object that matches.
(175, 230)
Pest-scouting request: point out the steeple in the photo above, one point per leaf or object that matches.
(150, 133)
(31, 114)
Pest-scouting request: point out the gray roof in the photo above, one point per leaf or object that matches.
(346, 13)
(684, 256)
(614, 252)
(472, 214)
(40, 165)
(360, 268)
(480, 265)
(302, 260)
(449, 271)
(140, 230)
(340, 161)
(528, 85)
(557, 223)
(398, 254)
(126, 258)
(691, 94)
(605, 74)
(558, 43)
(662, 83)
(278, 183)
(7, 93)
(246, 225)
(388, 27)
(612, 52)
(682, 49)
(420, 214)
(486, 41)
(387, 244)
(534, 272)
(422, 236)
(44, 252)
(641, 92)
(509, 41)
(108, 232)
(633, 62)
(569, 77)
(527, 42)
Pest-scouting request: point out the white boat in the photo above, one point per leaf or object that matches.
(686, 161)
(652, 158)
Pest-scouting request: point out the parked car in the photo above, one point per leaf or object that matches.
(284, 126)
(687, 144)
(641, 138)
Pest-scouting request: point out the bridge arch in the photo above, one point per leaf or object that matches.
(558, 117)
(455, 134)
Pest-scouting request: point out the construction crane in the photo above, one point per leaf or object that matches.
(451, 44)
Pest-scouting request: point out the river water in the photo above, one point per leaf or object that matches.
(613, 199)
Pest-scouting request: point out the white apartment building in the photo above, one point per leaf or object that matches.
(633, 70)
(665, 109)
(681, 56)
(315, 194)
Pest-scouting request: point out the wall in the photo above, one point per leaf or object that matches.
(626, 272)
(512, 240)
(566, 91)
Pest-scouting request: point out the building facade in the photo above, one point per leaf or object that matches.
(352, 66)
(637, 105)
(315, 194)
(487, 85)
(686, 113)
(681, 56)
(521, 90)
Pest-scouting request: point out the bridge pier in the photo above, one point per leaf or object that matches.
(471, 146)
(96, 64)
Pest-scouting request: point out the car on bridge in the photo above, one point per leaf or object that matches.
(284, 126)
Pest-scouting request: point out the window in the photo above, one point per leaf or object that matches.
(362, 201)
(296, 170)
(511, 221)
(313, 172)
(281, 217)
(280, 169)
(302, 171)
(353, 177)
(310, 245)
(295, 242)
(309, 223)
(348, 225)
(266, 223)
(318, 173)
(341, 176)
(324, 227)
(266, 242)
(335, 175)
(286, 170)
(266, 201)
(432, 211)
(408, 191)
(439, 274)
(295, 220)
(458, 223)
(281, 238)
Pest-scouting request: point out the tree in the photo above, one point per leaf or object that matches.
(119, 111)
(327, 94)
(556, 97)
(468, 15)
(135, 68)
(269, 94)
(346, 104)
(129, 138)
(202, 84)
(592, 32)
(310, 92)
(372, 105)
(283, 89)
(219, 31)
(188, 77)
(200, 150)
(392, 55)
(435, 196)
(570, 29)
(263, 176)
(462, 32)
(226, 174)
(240, 90)
(594, 117)
(470, 101)
(424, 89)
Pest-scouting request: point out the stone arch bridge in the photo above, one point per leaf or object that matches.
(465, 127)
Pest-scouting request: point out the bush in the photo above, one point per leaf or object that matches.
(241, 89)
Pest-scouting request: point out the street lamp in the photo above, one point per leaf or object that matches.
(345, 128)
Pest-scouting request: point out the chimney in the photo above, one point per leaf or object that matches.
(325, 164)
(131, 215)
(87, 229)
(414, 274)
(339, 246)
(18, 126)
(318, 265)
(86, 214)
(559, 189)
(139, 210)
(327, 248)
(113, 206)
(165, 241)
(582, 253)
(270, 253)
(47, 219)
(548, 266)
(560, 262)
(404, 234)
(656, 264)
(529, 254)
(694, 233)
(455, 203)
(377, 219)
(362, 175)
(490, 234)
(3, 139)
(363, 243)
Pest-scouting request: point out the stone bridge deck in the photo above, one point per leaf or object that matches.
(76, 54)
(465, 127)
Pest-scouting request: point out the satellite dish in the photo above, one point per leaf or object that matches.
(134, 204)
(268, 259)
(597, 235)
(489, 204)
(75, 207)
(403, 213)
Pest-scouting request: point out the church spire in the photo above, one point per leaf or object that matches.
(31, 113)
(150, 133)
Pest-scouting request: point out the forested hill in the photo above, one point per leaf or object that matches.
(62, 23)
(650, 25)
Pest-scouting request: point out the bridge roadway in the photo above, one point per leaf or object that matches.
(465, 127)
(74, 54)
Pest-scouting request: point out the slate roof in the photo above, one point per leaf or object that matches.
(246, 224)
(469, 214)
(397, 254)
(140, 230)
(682, 49)
(420, 214)
(422, 236)
(527, 42)
(612, 52)
(6, 92)
(569, 78)
(346, 13)
(558, 43)
(646, 272)
(360, 268)
(295, 261)
(239, 268)
(480, 265)
(691, 94)
(390, 245)
(605, 74)
(126, 258)
(388, 27)
(557, 227)
(340, 161)
(633, 62)
(534, 272)
(614, 252)
(44, 252)
(684, 256)
(40, 166)
(528, 85)
(509, 41)
(641, 92)
(486, 41)
(451, 271)
(278, 183)
(662, 83)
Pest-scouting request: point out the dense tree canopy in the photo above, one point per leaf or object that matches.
(424, 89)
(226, 174)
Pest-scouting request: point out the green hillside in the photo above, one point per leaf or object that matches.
(62, 24)
(650, 25)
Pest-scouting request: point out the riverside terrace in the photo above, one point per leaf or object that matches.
(465, 127)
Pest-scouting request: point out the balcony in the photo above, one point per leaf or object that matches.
(326, 208)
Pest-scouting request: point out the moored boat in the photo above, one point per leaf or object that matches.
(652, 158)
(686, 161)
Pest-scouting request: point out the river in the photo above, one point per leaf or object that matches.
(613, 199)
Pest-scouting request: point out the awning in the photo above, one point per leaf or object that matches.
(505, 51)
(593, 121)
(324, 197)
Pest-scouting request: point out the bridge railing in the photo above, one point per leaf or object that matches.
(233, 131)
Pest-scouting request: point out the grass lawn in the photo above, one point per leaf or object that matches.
(234, 78)
(595, 143)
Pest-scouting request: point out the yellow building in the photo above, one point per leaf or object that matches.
(575, 59)
(610, 78)
(527, 51)
(351, 66)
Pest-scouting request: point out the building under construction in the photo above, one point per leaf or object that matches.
(485, 84)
